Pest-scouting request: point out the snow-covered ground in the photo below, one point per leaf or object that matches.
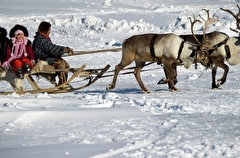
(194, 122)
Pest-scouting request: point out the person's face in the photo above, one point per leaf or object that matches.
(20, 36)
(49, 30)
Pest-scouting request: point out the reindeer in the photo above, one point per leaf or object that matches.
(168, 49)
(229, 51)
(213, 40)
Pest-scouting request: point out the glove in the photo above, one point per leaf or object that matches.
(33, 62)
(68, 51)
(5, 65)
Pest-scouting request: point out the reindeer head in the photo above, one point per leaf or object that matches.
(203, 48)
(236, 16)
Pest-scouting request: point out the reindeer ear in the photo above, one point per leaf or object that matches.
(195, 48)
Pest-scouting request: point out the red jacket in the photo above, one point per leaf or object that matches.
(29, 51)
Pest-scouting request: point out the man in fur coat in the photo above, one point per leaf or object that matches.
(44, 49)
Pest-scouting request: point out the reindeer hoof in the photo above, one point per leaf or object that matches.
(146, 92)
(162, 81)
(217, 88)
(219, 83)
(109, 87)
(174, 90)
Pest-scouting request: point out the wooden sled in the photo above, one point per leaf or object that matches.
(91, 74)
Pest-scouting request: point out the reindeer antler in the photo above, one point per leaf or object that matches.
(192, 23)
(207, 22)
(236, 16)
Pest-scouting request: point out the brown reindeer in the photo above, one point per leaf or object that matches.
(229, 51)
(168, 49)
(213, 40)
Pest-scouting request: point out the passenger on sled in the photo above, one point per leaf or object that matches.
(44, 49)
(3, 44)
(19, 54)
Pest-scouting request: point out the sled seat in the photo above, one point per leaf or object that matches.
(42, 67)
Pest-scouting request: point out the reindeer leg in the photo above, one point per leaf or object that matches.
(124, 62)
(139, 66)
(224, 77)
(214, 72)
(219, 63)
(162, 81)
(175, 74)
(118, 68)
(171, 76)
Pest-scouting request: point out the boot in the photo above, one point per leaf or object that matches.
(19, 73)
(27, 68)
(62, 78)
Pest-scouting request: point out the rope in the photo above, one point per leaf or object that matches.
(95, 51)
(125, 73)
(202, 73)
(133, 67)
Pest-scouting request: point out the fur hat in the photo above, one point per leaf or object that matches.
(3, 32)
(18, 27)
(44, 27)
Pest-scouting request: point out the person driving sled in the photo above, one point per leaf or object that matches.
(19, 52)
(44, 49)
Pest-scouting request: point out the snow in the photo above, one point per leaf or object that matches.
(194, 122)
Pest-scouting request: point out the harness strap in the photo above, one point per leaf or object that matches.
(179, 51)
(152, 51)
(227, 51)
(220, 43)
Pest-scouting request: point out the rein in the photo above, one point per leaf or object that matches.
(226, 47)
(95, 51)
(220, 43)
(129, 68)
(202, 72)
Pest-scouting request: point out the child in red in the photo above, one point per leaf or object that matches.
(19, 53)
